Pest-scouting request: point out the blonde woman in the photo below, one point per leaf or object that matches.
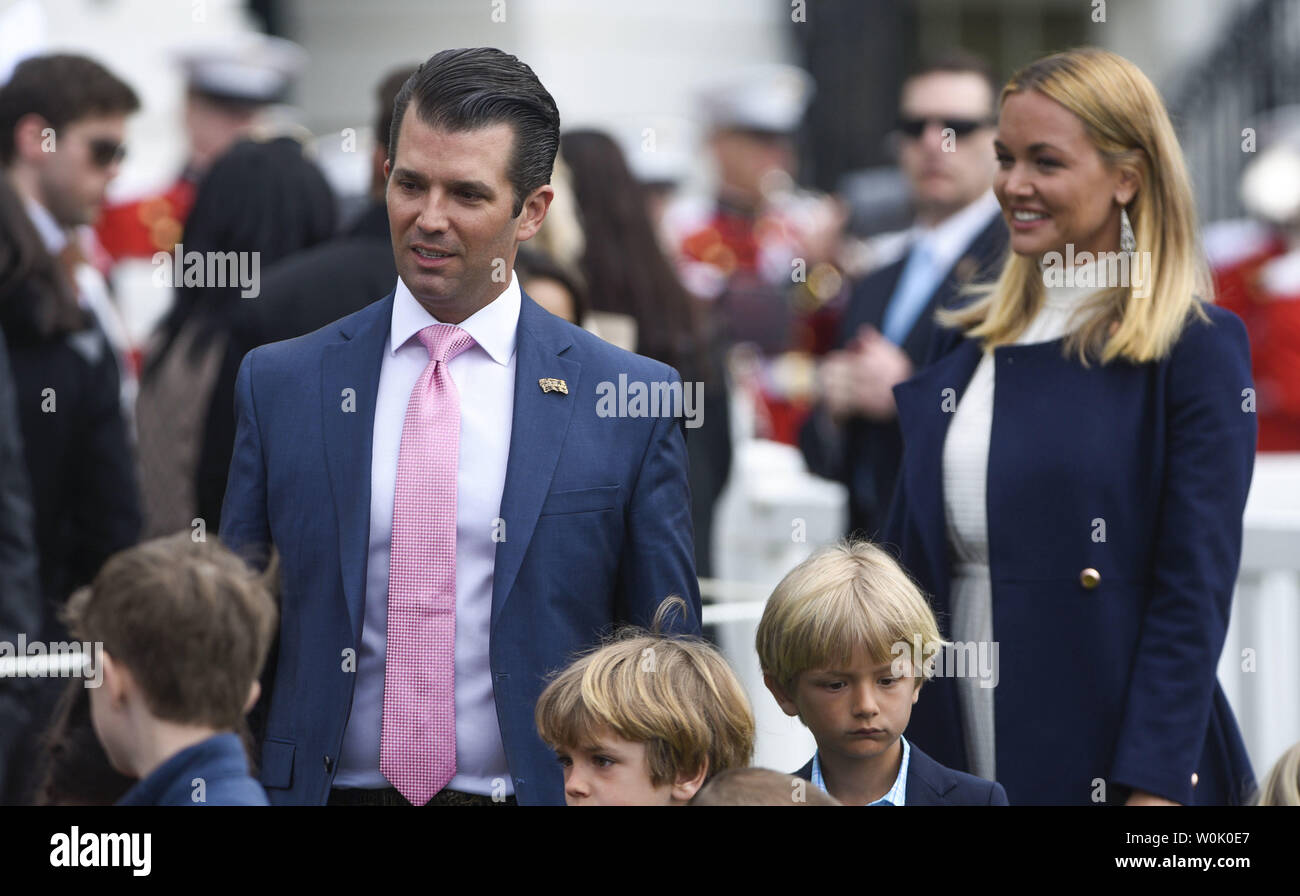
(1077, 457)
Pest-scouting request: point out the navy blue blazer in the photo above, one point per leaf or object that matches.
(213, 772)
(1138, 472)
(597, 521)
(931, 784)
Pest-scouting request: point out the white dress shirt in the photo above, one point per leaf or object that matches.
(484, 375)
(940, 246)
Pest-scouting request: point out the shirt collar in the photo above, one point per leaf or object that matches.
(493, 327)
(222, 752)
(950, 237)
(897, 794)
(53, 236)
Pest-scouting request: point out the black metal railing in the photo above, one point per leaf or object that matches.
(1254, 68)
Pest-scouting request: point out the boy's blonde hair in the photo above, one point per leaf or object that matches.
(190, 620)
(848, 596)
(674, 693)
(1282, 786)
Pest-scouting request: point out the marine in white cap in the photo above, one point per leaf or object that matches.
(229, 83)
(761, 249)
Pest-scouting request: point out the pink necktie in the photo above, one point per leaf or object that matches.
(418, 740)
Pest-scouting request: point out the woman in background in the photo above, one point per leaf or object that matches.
(626, 273)
(263, 200)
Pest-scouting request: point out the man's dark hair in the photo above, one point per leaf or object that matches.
(62, 89)
(961, 62)
(466, 89)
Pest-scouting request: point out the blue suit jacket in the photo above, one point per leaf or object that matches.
(597, 525)
(1139, 472)
(931, 784)
(865, 454)
(218, 762)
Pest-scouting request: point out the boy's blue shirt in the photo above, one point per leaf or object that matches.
(927, 783)
(897, 795)
(218, 762)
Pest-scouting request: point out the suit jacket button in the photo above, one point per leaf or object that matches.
(1089, 578)
(1194, 779)
(329, 764)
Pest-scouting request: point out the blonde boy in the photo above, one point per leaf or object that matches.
(645, 719)
(836, 644)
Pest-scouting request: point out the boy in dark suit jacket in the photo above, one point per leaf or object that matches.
(185, 627)
(844, 641)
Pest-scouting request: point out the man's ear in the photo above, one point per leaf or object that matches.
(533, 213)
(388, 167)
(117, 680)
(29, 137)
(686, 786)
(254, 691)
(782, 696)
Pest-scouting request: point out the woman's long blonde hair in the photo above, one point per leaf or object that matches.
(1126, 121)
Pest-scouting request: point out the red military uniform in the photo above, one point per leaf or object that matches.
(142, 227)
(762, 292)
(1257, 278)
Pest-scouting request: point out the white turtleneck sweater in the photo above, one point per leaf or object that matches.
(965, 474)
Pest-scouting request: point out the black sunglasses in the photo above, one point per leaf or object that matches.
(104, 152)
(961, 127)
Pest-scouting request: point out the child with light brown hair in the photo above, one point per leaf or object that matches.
(646, 719)
(1282, 786)
(185, 628)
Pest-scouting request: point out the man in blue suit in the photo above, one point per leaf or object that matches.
(572, 512)
(945, 149)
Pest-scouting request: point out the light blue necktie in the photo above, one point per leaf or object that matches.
(915, 286)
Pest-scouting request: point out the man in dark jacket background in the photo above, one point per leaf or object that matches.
(947, 118)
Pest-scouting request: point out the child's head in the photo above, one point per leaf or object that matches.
(645, 719)
(844, 643)
(1282, 786)
(761, 787)
(185, 628)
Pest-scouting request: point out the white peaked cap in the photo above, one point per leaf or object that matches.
(658, 149)
(761, 98)
(250, 68)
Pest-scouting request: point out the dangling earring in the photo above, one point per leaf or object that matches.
(1127, 242)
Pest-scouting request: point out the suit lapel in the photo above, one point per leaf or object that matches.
(353, 363)
(927, 784)
(538, 426)
(925, 408)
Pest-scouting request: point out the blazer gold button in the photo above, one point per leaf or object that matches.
(1089, 578)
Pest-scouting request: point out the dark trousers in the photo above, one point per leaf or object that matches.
(389, 796)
